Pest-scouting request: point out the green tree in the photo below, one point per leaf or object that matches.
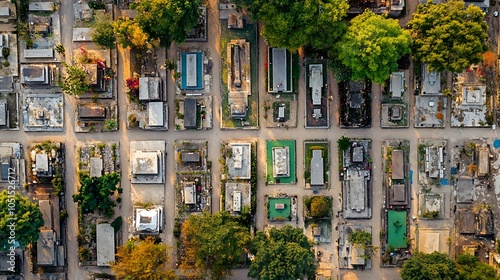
(167, 20)
(111, 124)
(448, 36)
(102, 31)
(360, 237)
(130, 34)
(142, 260)
(20, 217)
(75, 80)
(344, 143)
(433, 266)
(22, 9)
(293, 24)
(372, 46)
(94, 194)
(282, 254)
(364, 240)
(471, 268)
(213, 244)
(320, 207)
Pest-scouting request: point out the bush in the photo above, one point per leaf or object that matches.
(63, 214)
(97, 5)
(110, 124)
(132, 119)
(343, 143)
(307, 202)
(133, 86)
(58, 184)
(60, 49)
(177, 229)
(93, 232)
(6, 63)
(359, 237)
(431, 214)
(5, 52)
(117, 223)
(83, 253)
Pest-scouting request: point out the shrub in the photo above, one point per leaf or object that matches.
(177, 229)
(133, 86)
(97, 5)
(83, 253)
(360, 237)
(489, 58)
(93, 232)
(431, 214)
(343, 143)
(60, 49)
(63, 214)
(6, 63)
(117, 223)
(110, 124)
(5, 52)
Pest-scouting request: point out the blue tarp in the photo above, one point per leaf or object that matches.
(496, 143)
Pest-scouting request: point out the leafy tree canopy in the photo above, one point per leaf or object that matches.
(372, 46)
(94, 194)
(102, 31)
(344, 143)
(75, 80)
(448, 36)
(282, 254)
(471, 268)
(142, 260)
(24, 218)
(167, 20)
(292, 24)
(429, 267)
(364, 240)
(360, 237)
(320, 207)
(130, 34)
(213, 244)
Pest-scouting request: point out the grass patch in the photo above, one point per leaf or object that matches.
(295, 72)
(249, 33)
(309, 147)
(292, 178)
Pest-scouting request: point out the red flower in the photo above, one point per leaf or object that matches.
(132, 83)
